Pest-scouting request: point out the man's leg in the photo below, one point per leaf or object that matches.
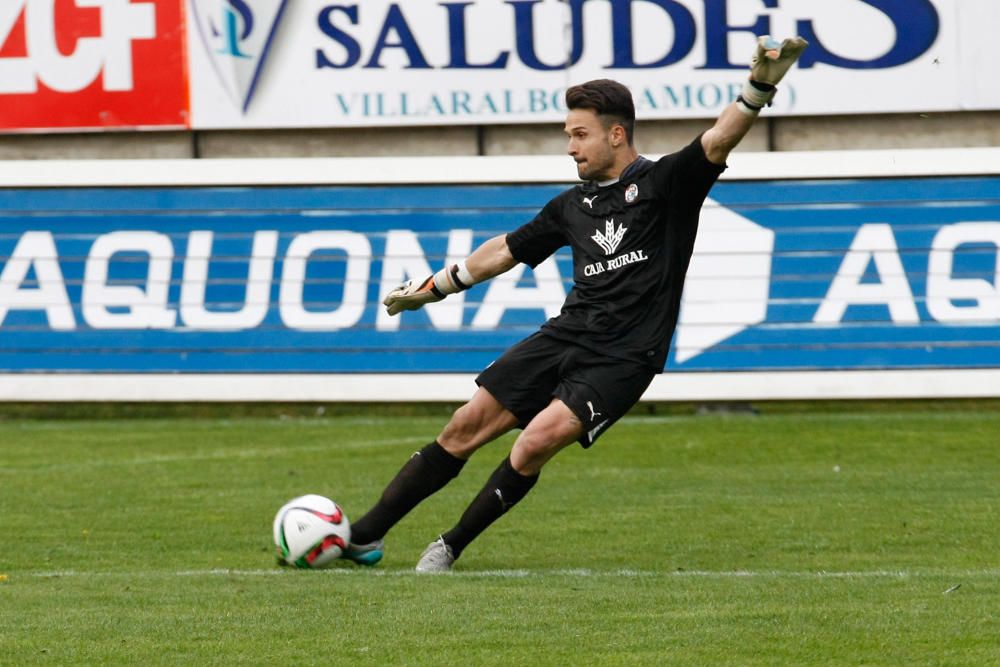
(550, 431)
(476, 423)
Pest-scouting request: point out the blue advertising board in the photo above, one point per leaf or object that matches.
(787, 275)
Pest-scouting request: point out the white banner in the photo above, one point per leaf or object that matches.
(306, 63)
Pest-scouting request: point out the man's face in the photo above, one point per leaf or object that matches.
(589, 145)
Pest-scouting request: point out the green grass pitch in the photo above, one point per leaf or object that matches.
(816, 537)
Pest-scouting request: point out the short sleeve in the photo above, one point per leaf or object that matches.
(687, 175)
(533, 242)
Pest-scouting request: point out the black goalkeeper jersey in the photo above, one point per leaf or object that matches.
(631, 244)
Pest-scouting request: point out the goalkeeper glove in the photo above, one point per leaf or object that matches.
(768, 65)
(413, 295)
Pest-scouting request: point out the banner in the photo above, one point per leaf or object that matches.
(792, 275)
(108, 64)
(276, 63)
(75, 64)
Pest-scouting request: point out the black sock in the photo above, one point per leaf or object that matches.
(426, 472)
(504, 489)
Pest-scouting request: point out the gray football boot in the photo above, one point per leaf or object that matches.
(437, 557)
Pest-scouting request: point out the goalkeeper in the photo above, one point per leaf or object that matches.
(631, 227)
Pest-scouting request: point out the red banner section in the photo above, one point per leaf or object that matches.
(68, 64)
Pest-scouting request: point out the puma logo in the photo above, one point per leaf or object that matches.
(504, 505)
(593, 413)
(589, 201)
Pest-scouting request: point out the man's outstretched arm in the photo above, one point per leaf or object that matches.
(770, 61)
(488, 260)
(729, 130)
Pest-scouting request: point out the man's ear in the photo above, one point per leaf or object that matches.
(618, 137)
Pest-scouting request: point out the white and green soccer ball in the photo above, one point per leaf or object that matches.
(311, 532)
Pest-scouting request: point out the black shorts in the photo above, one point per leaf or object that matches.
(598, 389)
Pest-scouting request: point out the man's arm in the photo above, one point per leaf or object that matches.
(770, 61)
(488, 260)
(729, 130)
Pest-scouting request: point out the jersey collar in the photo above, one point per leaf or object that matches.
(635, 167)
(628, 172)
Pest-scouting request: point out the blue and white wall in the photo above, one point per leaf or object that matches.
(816, 275)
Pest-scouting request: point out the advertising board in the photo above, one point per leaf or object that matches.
(789, 275)
(230, 64)
(68, 64)
(274, 63)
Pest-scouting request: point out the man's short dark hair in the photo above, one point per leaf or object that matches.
(610, 100)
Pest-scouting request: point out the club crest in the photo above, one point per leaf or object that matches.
(631, 193)
(237, 35)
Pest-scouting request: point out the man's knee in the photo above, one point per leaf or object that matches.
(461, 428)
(474, 424)
(533, 448)
(542, 445)
(544, 437)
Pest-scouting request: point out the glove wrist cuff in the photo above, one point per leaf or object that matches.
(453, 279)
(757, 94)
(746, 108)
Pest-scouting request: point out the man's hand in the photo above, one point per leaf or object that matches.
(770, 62)
(412, 295)
(449, 280)
(772, 59)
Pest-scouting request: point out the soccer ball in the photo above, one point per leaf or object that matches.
(310, 532)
